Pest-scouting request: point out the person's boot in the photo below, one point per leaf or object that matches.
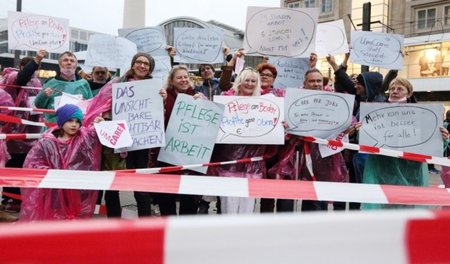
(203, 207)
(5, 217)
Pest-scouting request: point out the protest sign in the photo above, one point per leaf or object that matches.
(110, 51)
(331, 38)
(405, 127)
(317, 113)
(328, 150)
(191, 132)
(114, 134)
(36, 32)
(162, 67)
(291, 71)
(75, 99)
(377, 49)
(151, 40)
(141, 106)
(280, 31)
(251, 120)
(198, 45)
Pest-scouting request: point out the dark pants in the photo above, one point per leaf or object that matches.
(282, 205)
(16, 161)
(112, 201)
(138, 159)
(167, 204)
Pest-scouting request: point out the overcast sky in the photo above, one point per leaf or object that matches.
(106, 16)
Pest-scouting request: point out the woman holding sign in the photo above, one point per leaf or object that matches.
(142, 65)
(395, 171)
(178, 82)
(247, 83)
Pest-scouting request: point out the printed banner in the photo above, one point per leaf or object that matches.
(36, 32)
(377, 49)
(191, 132)
(141, 106)
(405, 127)
(280, 31)
(251, 120)
(114, 134)
(198, 45)
(317, 113)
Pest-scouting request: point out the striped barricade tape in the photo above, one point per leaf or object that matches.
(20, 136)
(16, 120)
(401, 237)
(381, 151)
(18, 86)
(224, 186)
(28, 109)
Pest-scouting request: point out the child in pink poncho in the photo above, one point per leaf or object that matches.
(68, 147)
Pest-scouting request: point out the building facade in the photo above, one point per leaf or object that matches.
(425, 25)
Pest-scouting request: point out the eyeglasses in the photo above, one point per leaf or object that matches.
(100, 72)
(139, 62)
(268, 75)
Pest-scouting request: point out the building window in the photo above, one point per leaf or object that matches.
(4, 47)
(294, 5)
(426, 18)
(447, 15)
(4, 35)
(326, 6)
(310, 3)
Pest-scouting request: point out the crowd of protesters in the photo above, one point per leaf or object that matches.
(74, 145)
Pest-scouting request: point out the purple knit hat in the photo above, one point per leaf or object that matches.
(67, 112)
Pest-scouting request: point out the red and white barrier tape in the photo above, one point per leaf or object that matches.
(191, 166)
(224, 186)
(381, 151)
(20, 136)
(401, 237)
(18, 86)
(27, 109)
(16, 120)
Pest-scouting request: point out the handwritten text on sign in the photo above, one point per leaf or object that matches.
(407, 127)
(198, 45)
(36, 32)
(291, 71)
(280, 31)
(317, 113)
(377, 49)
(109, 51)
(191, 132)
(114, 134)
(151, 40)
(141, 106)
(251, 120)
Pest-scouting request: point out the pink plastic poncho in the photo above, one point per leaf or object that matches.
(20, 99)
(101, 103)
(79, 153)
(5, 100)
(330, 169)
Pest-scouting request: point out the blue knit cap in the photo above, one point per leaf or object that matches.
(67, 112)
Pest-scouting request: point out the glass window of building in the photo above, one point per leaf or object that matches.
(3, 35)
(310, 3)
(426, 18)
(4, 47)
(326, 6)
(447, 15)
(294, 4)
